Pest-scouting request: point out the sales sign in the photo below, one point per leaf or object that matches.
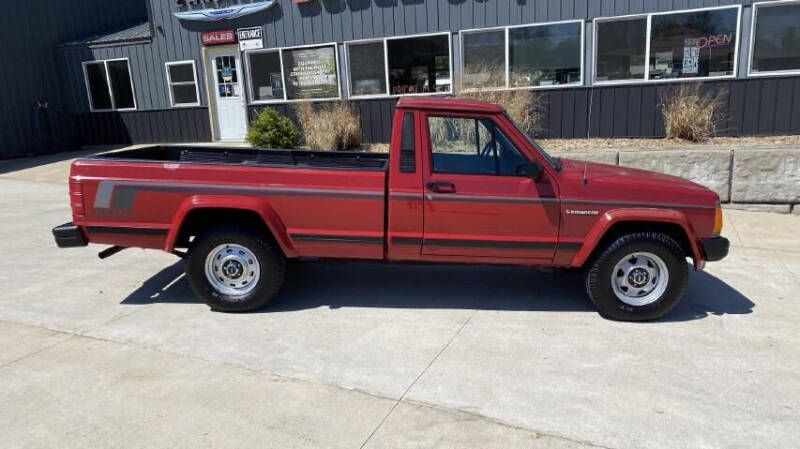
(218, 37)
(250, 38)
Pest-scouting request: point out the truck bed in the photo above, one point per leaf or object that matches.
(335, 160)
(324, 204)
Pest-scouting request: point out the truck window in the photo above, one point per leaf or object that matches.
(472, 146)
(407, 161)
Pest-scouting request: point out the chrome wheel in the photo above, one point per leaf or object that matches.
(232, 269)
(640, 278)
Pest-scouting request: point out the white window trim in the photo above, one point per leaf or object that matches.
(505, 58)
(108, 84)
(349, 72)
(508, 63)
(386, 65)
(751, 48)
(283, 79)
(182, 83)
(595, 82)
(647, 47)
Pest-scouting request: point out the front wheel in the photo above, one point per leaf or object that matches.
(637, 277)
(235, 270)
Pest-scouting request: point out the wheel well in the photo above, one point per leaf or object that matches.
(619, 229)
(198, 220)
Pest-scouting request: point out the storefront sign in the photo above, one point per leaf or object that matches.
(311, 73)
(218, 37)
(250, 38)
(230, 12)
(714, 40)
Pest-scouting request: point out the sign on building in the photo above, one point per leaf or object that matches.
(218, 37)
(250, 38)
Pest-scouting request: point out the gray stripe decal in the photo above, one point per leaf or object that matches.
(120, 194)
(500, 199)
(637, 204)
(405, 196)
(337, 238)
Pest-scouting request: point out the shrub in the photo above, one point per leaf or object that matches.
(329, 126)
(690, 114)
(272, 130)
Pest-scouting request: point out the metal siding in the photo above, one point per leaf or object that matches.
(754, 106)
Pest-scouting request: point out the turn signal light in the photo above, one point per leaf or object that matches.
(717, 220)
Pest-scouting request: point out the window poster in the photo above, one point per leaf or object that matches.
(311, 73)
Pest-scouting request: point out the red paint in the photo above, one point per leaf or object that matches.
(218, 37)
(553, 236)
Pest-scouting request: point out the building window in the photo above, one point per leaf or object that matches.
(109, 85)
(776, 38)
(419, 65)
(545, 55)
(266, 81)
(182, 82)
(311, 72)
(484, 59)
(620, 47)
(366, 64)
(696, 44)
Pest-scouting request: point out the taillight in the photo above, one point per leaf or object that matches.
(76, 199)
(717, 220)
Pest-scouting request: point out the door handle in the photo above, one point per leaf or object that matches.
(441, 187)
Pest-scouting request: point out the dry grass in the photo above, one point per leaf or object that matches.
(524, 106)
(690, 114)
(329, 126)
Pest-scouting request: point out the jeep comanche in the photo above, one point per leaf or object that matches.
(461, 184)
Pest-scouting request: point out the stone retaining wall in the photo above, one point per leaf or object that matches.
(752, 178)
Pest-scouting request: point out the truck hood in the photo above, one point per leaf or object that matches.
(606, 181)
(624, 175)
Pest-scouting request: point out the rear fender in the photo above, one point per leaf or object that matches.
(258, 205)
(615, 216)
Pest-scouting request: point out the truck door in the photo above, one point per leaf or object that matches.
(478, 200)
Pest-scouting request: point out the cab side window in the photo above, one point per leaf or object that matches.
(472, 146)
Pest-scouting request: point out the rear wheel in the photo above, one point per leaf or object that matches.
(637, 277)
(235, 270)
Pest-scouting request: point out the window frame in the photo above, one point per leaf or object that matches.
(170, 83)
(461, 34)
(280, 51)
(648, 39)
(108, 85)
(582, 82)
(752, 43)
(349, 73)
(386, 64)
(472, 116)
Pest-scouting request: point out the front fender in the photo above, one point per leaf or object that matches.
(255, 204)
(612, 217)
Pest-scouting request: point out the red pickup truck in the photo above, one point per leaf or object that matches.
(461, 184)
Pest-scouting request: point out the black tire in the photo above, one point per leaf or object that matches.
(598, 276)
(272, 268)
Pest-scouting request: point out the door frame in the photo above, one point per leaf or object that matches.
(208, 68)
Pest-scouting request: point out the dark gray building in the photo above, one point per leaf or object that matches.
(176, 70)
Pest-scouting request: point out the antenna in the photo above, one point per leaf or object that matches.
(584, 180)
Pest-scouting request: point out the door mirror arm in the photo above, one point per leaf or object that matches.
(534, 170)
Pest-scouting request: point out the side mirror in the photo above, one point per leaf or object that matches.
(534, 170)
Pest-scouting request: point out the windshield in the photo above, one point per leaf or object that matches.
(550, 159)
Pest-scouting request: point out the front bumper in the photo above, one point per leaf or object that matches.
(69, 235)
(715, 248)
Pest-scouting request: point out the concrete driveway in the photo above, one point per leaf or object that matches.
(118, 353)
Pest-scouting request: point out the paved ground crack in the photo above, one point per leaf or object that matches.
(422, 373)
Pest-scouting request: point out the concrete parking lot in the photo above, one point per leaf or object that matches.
(118, 353)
